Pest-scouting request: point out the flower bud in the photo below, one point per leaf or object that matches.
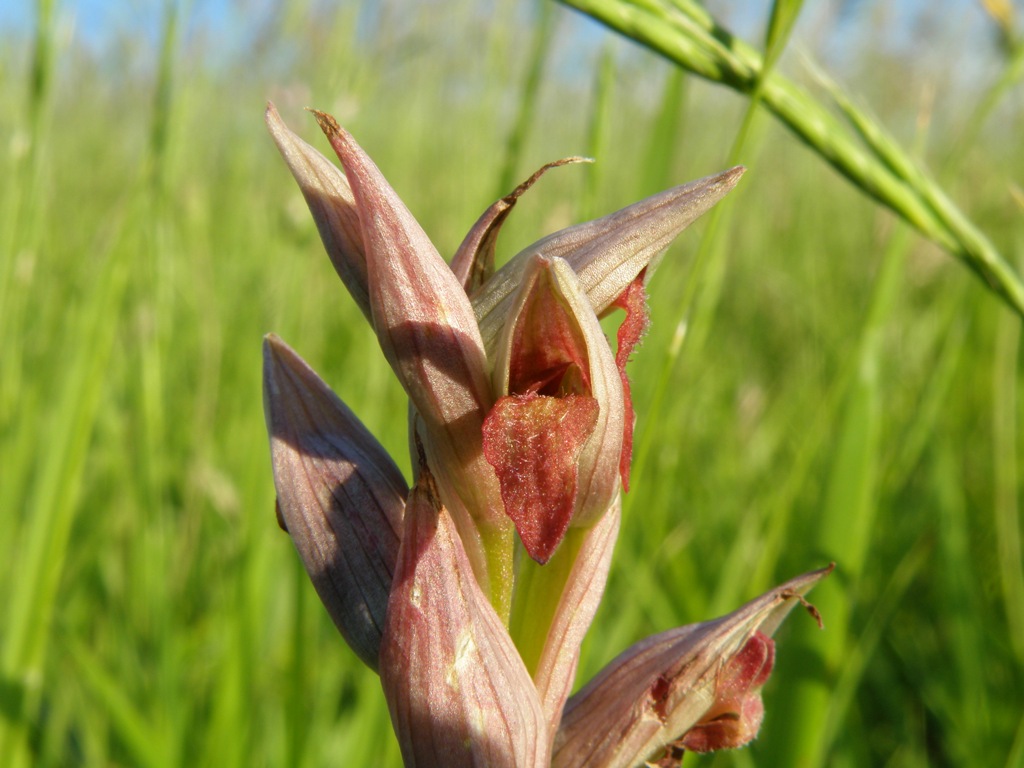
(426, 329)
(339, 495)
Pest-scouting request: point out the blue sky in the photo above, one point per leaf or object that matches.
(96, 22)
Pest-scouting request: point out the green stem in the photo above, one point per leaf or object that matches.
(538, 592)
(499, 545)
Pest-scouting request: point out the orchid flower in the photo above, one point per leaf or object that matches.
(471, 592)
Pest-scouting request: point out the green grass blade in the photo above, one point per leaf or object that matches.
(53, 501)
(128, 724)
(780, 26)
(666, 137)
(864, 642)
(24, 207)
(1006, 483)
(688, 40)
(994, 96)
(598, 142)
(298, 724)
(1016, 757)
(543, 36)
(843, 532)
(959, 579)
(703, 291)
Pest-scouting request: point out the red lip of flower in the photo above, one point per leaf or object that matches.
(521, 422)
(554, 435)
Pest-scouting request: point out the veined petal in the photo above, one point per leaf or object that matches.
(556, 459)
(606, 253)
(652, 694)
(340, 495)
(425, 325)
(457, 690)
(332, 204)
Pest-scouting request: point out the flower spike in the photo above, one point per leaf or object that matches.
(520, 420)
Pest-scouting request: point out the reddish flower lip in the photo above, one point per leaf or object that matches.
(554, 436)
(735, 717)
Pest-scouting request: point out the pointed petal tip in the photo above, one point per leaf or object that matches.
(732, 176)
(288, 380)
(694, 198)
(328, 194)
(799, 585)
(571, 160)
(282, 368)
(272, 346)
(345, 147)
(359, 168)
(329, 125)
(473, 263)
(278, 355)
(275, 123)
(718, 184)
(607, 253)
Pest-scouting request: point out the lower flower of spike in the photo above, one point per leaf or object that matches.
(696, 687)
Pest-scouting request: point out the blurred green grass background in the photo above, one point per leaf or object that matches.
(824, 385)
